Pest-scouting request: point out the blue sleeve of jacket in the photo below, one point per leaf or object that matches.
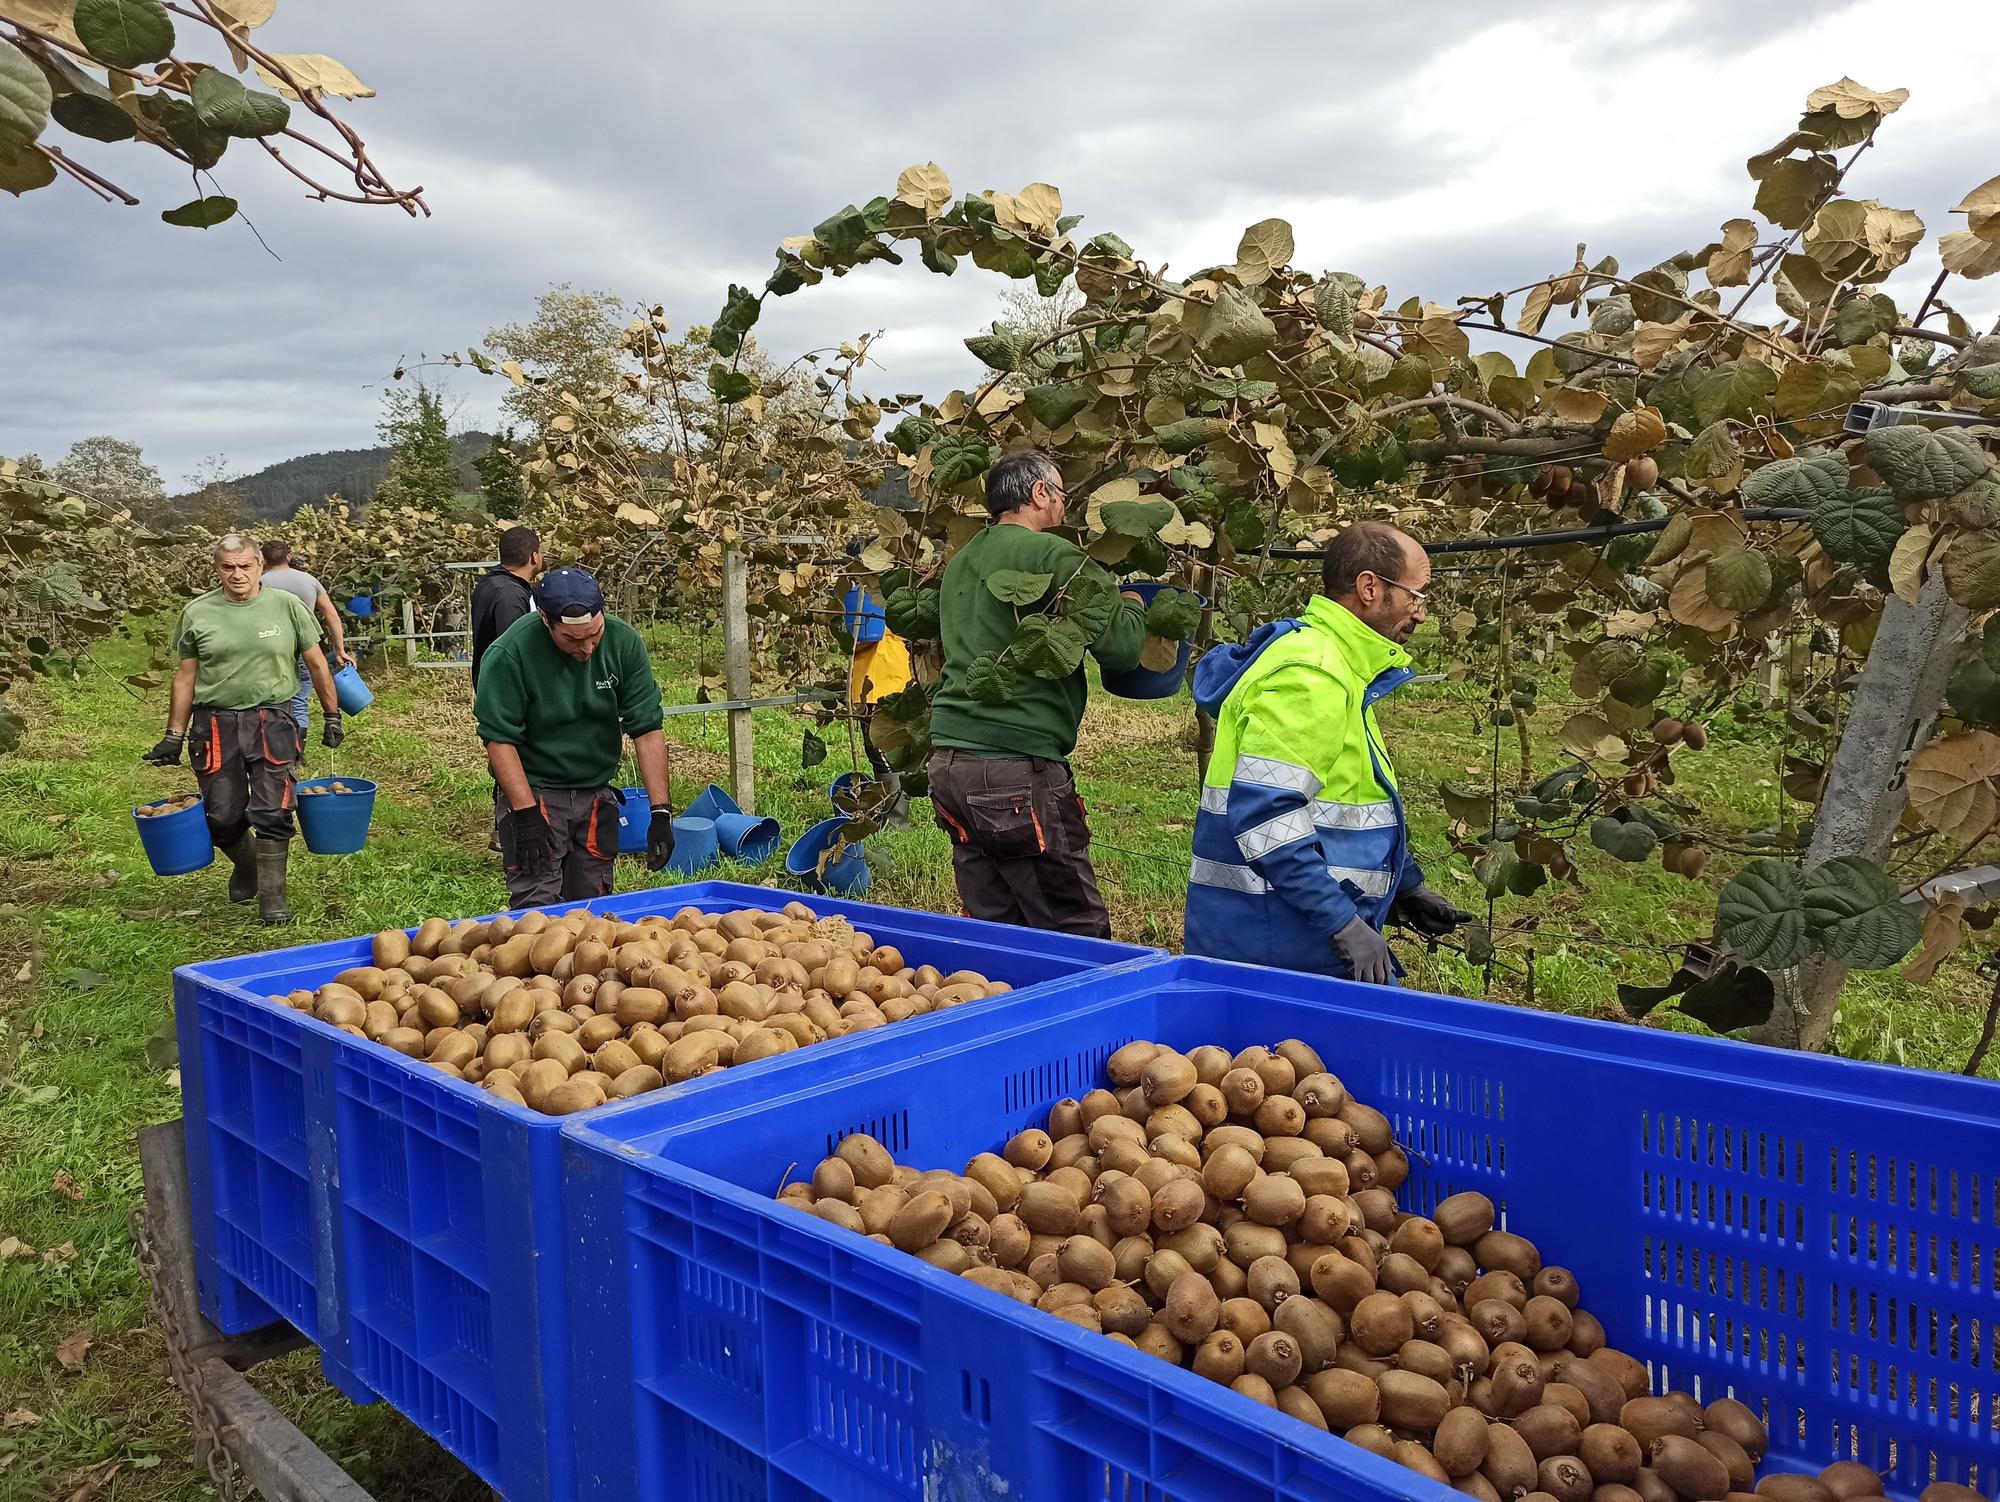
(1272, 790)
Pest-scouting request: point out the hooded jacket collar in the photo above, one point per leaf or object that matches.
(1371, 653)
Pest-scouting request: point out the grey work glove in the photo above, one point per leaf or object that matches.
(1365, 953)
(331, 731)
(168, 752)
(1428, 912)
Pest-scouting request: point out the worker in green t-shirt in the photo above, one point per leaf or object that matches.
(557, 694)
(1000, 779)
(239, 647)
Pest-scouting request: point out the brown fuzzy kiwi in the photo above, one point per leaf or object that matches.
(1413, 1402)
(1321, 1094)
(1163, 1270)
(921, 1220)
(1735, 1419)
(1548, 1323)
(1599, 1388)
(1271, 1281)
(1325, 1219)
(1509, 1464)
(1275, 1357)
(1065, 1117)
(1627, 1371)
(1373, 1438)
(1210, 1062)
(1937, 1491)
(1245, 1241)
(1128, 1208)
(1400, 1274)
(1503, 1286)
(1084, 1260)
(1230, 1281)
(1167, 1077)
(1283, 1154)
(1460, 1443)
(1688, 1468)
(1122, 1310)
(1392, 1168)
(1566, 1478)
(1351, 1358)
(1178, 1205)
(1497, 1321)
(1380, 1323)
(1850, 1478)
(1503, 1251)
(1341, 1282)
(1155, 1340)
(1191, 1308)
(1549, 1430)
(1789, 1488)
(1419, 1239)
(1201, 1244)
(1008, 1237)
(1742, 1469)
(1517, 1387)
(1303, 1057)
(1228, 1172)
(1686, 1402)
(1586, 1333)
(1361, 1173)
(1274, 1200)
(1316, 1328)
(1243, 1091)
(1243, 1317)
(1477, 1486)
(1567, 1398)
(1467, 1349)
(1057, 1294)
(1048, 1209)
(1279, 1116)
(1372, 1130)
(1426, 1359)
(1557, 1283)
(1413, 1455)
(1613, 1491)
(1126, 1065)
(1074, 1179)
(1297, 1402)
(1083, 1316)
(1345, 1398)
(1463, 1218)
(1611, 1453)
(1649, 1418)
(1256, 1389)
(1219, 1357)
(1426, 1314)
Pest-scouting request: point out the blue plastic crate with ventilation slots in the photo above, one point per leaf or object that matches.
(1818, 1237)
(305, 1145)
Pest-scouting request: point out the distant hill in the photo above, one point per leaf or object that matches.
(273, 494)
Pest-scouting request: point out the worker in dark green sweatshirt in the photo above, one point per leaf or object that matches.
(1000, 780)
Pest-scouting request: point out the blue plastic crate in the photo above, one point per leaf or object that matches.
(1818, 1237)
(303, 1144)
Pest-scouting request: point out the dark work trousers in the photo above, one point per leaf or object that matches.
(583, 844)
(1020, 850)
(247, 763)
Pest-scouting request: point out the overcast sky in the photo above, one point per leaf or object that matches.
(660, 150)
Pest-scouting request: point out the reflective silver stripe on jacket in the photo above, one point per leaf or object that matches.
(1326, 812)
(1276, 774)
(1209, 873)
(1295, 824)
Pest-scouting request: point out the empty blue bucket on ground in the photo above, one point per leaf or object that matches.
(1150, 683)
(747, 838)
(635, 818)
(712, 802)
(849, 875)
(176, 843)
(353, 694)
(694, 845)
(336, 823)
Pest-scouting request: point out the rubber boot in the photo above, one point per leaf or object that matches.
(271, 858)
(243, 873)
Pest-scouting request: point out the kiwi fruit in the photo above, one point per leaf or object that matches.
(1274, 1200)
(1686, 1466)
(1191, 1308)
(1568, 1399)
(1243, 1317)
(1613, 1491)
(1229, 1171)
(1275, 1357)
(1849, 1478)
(1082, 1260)
(1271, 1281)
(1427, 1360)
(1503, 1286)
(1341, 1282)
(1410, 1401)
(1736, 1420)
(1177, 1205)
(1785, 1488)
(1510, 1463)
(1566, 1478)
(1547, 1321)
(1256, 1389)
(1127, 1064)
(1311, 1323)
(1599, 1388)
(1461, 1442)
(1742, 1469)
(1650, 1418)
(1345, 1398)
(1414, 1456)
(1497, 1321)
(1549, 1430)
(1476, 1485)
(1048, 1209)
(1373, 1438)
(1503, 1251)
(1586, 1333)
(1463, 1218)
(1168, 1077)
(1627, 1371)
(1219, 1357)
(1612, 1455)
(1380, 1323)
(1121, 1309)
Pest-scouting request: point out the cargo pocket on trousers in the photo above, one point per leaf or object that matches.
(1004, 824)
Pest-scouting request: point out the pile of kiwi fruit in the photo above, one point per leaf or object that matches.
(1236, 1214)
(167, 806)
(563, 1013)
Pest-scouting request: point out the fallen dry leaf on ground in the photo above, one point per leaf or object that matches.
(65, 1185)
(71, 1349)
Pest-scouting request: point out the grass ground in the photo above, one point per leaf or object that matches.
(90, 938)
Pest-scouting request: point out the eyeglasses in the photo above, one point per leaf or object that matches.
(1418, 595)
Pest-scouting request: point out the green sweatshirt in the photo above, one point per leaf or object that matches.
(1042, 720)
(566, 718)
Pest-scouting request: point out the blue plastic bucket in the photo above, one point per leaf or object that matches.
(336, 823)
(1148, 683)
(849, 875)
(747, 838)
(712, 802)
(354, 695)
(845, 782)
(175, 843)
(635, 819)
(361, 606)
(694, 845)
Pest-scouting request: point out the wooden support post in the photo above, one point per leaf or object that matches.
(1772, 688)
(736, 677)
(410, 632)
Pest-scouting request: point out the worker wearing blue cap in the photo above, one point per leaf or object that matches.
(557, 694)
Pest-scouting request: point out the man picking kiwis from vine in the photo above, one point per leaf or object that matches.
(1302, 848)
(557, 694)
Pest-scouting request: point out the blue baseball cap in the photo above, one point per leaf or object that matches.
(570, 595)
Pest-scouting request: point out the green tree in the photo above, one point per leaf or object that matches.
(500, 483)
(575, 344)
(422, 471)
(111, 471)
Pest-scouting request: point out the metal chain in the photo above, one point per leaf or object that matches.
(209, 1424)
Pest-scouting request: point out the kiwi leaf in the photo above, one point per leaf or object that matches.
(1761, 915)
(1857, 915)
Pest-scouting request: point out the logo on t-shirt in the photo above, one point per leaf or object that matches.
(263, 634)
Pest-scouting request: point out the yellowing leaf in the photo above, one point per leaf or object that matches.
(1265, 246)
(1124, 488)
(1968, 255)
(1590, 737)
(1853, 101)
(1906, 563)
(244, 15)
(1038, 206)
(1982, 206)
(1944, 931)
(1180, 532)
(635, 515)
(1951, 786)
(1652, 341)
(1637, 432)
(1574, 405)
(55, 17)
(1730, 265)
(1690, 605)
(315, 73)
(511, 369)
(1277, 449)
(925, 187)
(1541, 297)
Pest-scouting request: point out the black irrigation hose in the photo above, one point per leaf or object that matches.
(1560, 539)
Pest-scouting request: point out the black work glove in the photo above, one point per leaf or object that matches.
(660, 838)
(1365, 953)
(1427, 912)
(530, 829)
(168, 752)
(331, 731)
